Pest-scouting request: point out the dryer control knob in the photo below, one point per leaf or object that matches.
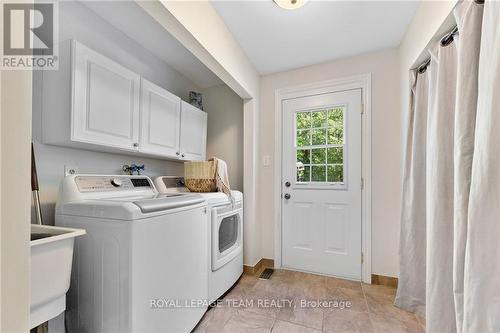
(116, 182)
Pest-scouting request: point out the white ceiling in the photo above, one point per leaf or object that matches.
(276, 39)
(149, 34)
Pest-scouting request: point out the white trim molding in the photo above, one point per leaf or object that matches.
(362, 82)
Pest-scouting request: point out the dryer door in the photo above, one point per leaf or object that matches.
(227, 234)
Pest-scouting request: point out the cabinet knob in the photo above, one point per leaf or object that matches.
(177, 153)
(135, 145)
(182, 155)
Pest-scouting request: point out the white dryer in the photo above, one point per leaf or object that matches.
(142, 265)
(225, 236)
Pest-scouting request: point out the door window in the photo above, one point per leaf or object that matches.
(228, 232)
(320, 146)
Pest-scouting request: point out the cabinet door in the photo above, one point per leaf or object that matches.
(105, 104)
(160, 121)
(193, 133)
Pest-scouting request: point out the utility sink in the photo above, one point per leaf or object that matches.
(51, 259)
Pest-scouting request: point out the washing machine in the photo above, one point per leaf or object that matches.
(142, 265)
(225, 234)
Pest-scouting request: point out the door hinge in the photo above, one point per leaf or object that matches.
(362, 258)
(362, 183)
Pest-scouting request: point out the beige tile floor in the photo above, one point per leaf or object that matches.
(288, 303)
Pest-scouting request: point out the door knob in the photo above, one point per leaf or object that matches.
(287, 196)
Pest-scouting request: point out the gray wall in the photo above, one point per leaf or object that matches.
(225, 130)
(80, 23)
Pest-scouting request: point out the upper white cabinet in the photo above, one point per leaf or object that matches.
(160, 120)
(105, 101)
(92, 102)
(193, 133)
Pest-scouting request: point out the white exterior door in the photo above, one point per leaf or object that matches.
(193, 133)
(105, 101)
(160, 121)
(321, 185)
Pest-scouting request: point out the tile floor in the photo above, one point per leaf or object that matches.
(289, 303)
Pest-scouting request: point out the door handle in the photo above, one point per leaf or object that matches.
(287, 196)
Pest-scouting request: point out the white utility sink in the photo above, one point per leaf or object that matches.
(51, 259)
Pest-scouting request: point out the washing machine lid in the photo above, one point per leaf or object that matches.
(130, 208)
(168, 202)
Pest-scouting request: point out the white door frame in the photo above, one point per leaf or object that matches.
(362, 82)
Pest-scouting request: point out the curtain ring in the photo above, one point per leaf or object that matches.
(422, 68)
(449, 37)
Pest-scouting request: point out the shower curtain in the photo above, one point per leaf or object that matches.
(450, 220)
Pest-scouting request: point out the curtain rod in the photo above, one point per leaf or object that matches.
(446, 40)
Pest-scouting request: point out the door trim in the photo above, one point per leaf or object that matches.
(362, 82)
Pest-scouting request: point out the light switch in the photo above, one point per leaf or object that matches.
(266, 160)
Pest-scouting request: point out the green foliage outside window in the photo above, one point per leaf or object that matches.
(320, 145)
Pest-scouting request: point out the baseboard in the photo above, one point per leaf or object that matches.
(263, 263)
(385, 280)
(269, 263)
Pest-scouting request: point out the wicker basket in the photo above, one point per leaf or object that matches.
(200, 176)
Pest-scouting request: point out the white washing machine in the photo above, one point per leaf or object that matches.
(225, 221)
(142, 265)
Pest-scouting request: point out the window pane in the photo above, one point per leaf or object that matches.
(335, 136)
(303, 119)
(303, 138)
(304, 174)
(318, 156)
(335, 155)
(319, 136)
(319, 119)
(336, 117)
(318, 173)
(336, 173)
(304, 156)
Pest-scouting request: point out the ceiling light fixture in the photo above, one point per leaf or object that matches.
(290, 4)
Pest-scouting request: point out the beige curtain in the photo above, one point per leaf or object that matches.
(482, 257)
(411, 292)
(469, 17)
(462, 181)
(440, 309)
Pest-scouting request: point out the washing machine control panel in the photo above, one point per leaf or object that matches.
(105, 183)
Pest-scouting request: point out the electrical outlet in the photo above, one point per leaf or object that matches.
(70, 170)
